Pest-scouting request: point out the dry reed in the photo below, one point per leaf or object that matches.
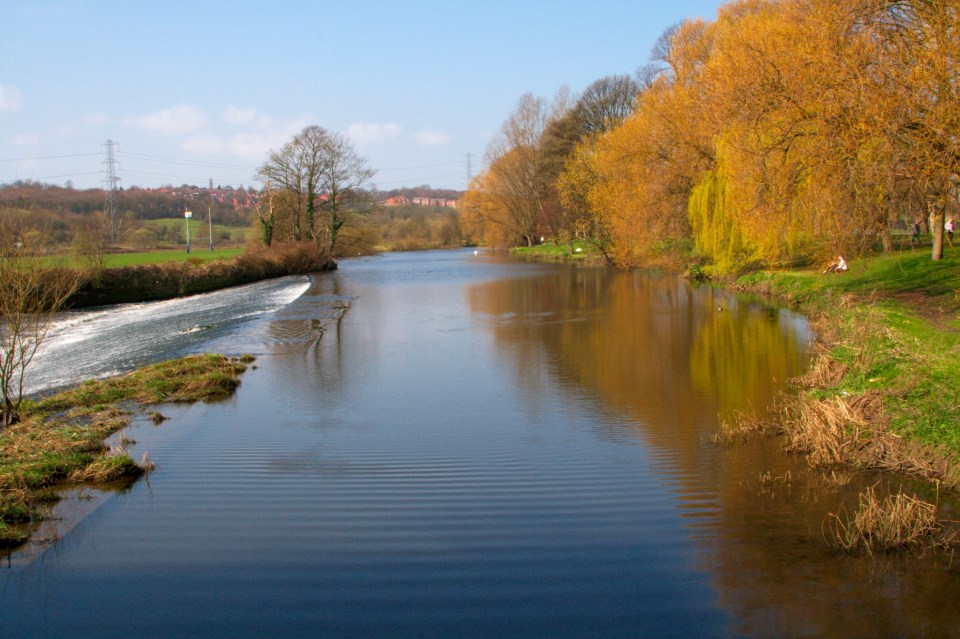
(897, 522)
(744, 428)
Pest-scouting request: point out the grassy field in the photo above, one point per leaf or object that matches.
(156, 257)
(199, 230)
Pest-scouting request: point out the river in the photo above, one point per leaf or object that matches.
(450, 444)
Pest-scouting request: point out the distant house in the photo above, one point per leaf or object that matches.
(399, 200)
(434, 201)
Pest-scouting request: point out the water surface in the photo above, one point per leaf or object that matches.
(444, 444)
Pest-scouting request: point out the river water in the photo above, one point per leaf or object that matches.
(446, 444)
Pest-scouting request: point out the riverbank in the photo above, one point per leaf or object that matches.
(883, 390)
(59, 440)
(581, 253)
(153, 282)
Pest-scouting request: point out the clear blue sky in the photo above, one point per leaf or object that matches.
(197, 90)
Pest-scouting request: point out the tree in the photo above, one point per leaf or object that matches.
(341, 176)
(921, 72)
(92, 239)
(515, 178)
(316, 178)
(640, 174)
(604, 105)
(30, 294)
(295, 168)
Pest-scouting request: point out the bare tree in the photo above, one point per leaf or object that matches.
(606, 104)
(30, 293)
(342, 174)
(515, 170)
(320, 174)
(92, 240)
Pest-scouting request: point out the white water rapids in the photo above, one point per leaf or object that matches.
(94, 343)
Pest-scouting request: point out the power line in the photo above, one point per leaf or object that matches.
(165, 160)
(425, 166)
(192, 178)
(48, 157)
(422, 180)
(50, 177)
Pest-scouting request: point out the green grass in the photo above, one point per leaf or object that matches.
(60, 438)
(119, 260)
(894, 322)
(157, 257)
(199, 229)
(559, 252)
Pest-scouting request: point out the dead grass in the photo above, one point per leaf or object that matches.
(115, 465)
(771, 485)
(895, 523)
(744, 427)
(852, 431)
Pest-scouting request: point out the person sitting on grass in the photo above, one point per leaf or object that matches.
(836, 266)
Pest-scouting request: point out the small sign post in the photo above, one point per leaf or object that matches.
(186, 218)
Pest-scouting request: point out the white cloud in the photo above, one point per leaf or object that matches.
(10, 98)
(257, 145)
(235, 115)
(358, 132)
(182, 118)
(433, 138)
(203, 144)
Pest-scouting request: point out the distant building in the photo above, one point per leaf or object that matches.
(434, 201)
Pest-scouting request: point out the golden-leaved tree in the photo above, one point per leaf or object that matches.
(644, 170)
(919, 68)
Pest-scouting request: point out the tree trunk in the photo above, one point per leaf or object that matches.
(937, 232)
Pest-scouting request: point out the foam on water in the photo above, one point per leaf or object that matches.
(93, 343)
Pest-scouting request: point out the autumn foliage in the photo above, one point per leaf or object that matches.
(783, 131)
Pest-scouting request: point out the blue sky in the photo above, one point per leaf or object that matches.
(193, 91)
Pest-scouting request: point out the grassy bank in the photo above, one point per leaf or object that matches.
(883, 391)
(176, 278)
(60, 439)
(587, 253)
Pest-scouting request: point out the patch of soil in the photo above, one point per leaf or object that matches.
(936, 310)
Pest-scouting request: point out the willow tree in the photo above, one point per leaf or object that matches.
(719, 234)
(789, 95)
(645, 169)
(920, 57)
